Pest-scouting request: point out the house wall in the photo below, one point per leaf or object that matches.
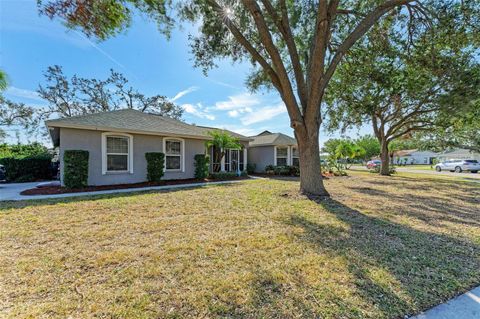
(261, 156)
(416, 158)
(459, 154)
(91, 141)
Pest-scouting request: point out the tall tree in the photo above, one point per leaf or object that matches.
(221, 141)
(294, 46)
(12, 113)
(77, 96)
(399, 88)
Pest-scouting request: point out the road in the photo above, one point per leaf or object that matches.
(466, 175)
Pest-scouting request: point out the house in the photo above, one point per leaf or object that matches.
(275, 149)
(458, 153)
(410, 157)
(118, 140)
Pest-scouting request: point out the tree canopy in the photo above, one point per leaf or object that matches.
(294, 46)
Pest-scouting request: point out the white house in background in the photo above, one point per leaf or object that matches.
(411, 157)
(458, 153)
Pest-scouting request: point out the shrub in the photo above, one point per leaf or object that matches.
(75, 170)
(283, 170)
(155, 166)
(28, 169)
(201, 166)
(251, 168)
(225, 175)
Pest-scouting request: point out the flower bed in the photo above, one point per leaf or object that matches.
(52, 190)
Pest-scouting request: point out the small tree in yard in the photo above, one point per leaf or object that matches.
(295, 47)
(220, 142)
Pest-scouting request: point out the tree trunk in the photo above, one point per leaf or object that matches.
(385, 158)
(311, 181)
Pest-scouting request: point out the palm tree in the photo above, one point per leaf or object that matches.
(3, 81)
(221, 141)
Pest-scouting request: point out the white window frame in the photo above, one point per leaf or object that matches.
(292, 157)
(286, 157)
(182, 153)
(104, 153)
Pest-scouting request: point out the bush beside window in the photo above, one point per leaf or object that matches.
(75, 170)
(251, 168)
(155, 166)
(201, 166)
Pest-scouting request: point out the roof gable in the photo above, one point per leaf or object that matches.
(266, 138)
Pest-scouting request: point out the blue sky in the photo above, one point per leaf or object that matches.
(29, 43)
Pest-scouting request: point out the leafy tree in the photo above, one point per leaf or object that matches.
(294, 46)
(370, 144)
(12, 113)
(401, 89)
(22, 150)
(342, 153)
(77, 96)
(460, 129)
(221, 140)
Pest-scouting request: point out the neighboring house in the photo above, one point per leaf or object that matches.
(411, 157)
(275, 149)
(118, 140)
(458, 153)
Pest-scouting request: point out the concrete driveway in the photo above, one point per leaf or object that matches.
(12, 191)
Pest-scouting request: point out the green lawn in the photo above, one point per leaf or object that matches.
(417, 167)
(380, 248)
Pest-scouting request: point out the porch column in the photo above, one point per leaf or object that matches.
(222, 164)
(289, 156)
(245, 159)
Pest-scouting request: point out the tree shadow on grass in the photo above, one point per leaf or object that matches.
(398, 269)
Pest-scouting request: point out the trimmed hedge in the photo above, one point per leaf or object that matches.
(201, 166)
(251, 168)
(28, 169)
(155, 166)
(75, 170)
(284, 170)
(226, 175)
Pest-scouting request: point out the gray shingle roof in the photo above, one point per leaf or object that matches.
(130, 120)
(264, 139)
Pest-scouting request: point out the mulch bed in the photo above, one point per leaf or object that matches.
(324, 175)
(52, 190)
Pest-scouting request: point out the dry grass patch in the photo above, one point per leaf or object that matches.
(380, 248)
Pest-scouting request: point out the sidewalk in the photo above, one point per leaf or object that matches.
(466, 306)
(11, 192)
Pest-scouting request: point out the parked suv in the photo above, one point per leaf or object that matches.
(2, 173)
(458, 166)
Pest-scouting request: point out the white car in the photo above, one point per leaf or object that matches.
(458, 166)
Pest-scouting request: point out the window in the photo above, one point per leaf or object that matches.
(117, 153)
(173, 154)
(295, 160)
(281, 156)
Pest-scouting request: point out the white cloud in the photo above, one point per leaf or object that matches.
(23, 93)
(197, 110)
(183, 93)
(263, 114)
(236, 113)
(236, 102)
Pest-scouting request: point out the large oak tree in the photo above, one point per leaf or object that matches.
(294, 46)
